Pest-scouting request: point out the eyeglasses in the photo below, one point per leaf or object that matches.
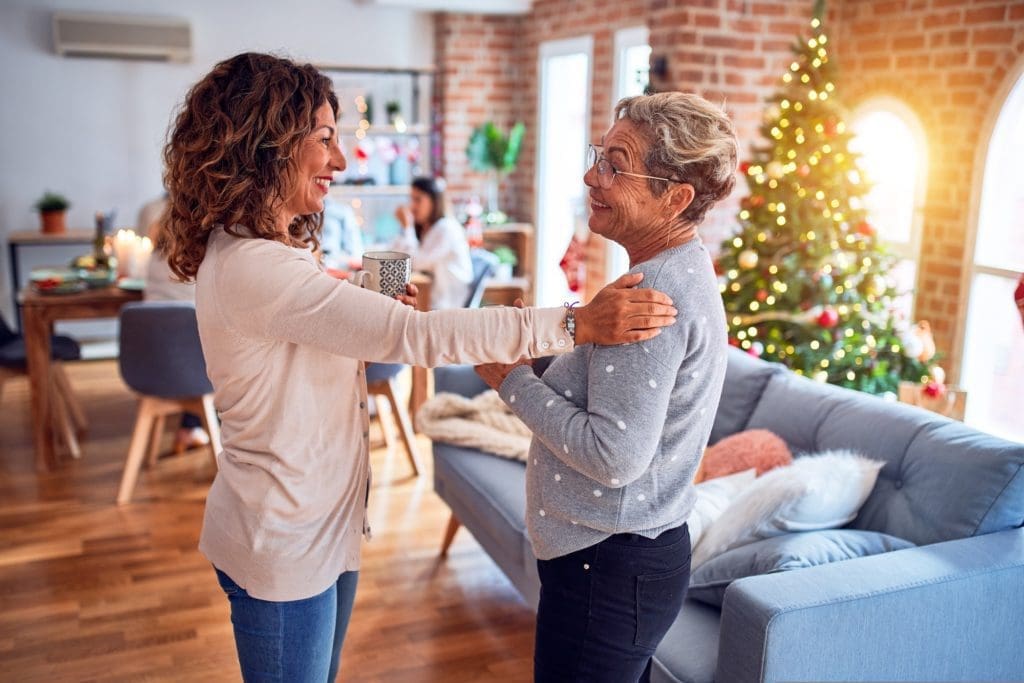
(606, 172)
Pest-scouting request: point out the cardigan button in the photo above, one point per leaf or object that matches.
(362, 405)
(898, 484)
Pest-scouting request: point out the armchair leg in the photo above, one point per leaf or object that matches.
(70, 398)
(404, 427)
(212, 424)
(63, 426)
(153, 452)
(449, 534)
(137, 449)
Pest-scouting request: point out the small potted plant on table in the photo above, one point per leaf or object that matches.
(53, 209)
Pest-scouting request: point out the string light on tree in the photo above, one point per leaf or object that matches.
(805, 275)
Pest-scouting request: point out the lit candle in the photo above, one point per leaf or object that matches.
(143, 250)
(124, 250)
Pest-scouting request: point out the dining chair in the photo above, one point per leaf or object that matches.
(484, 265)
(380, 381)
(161, 360)
(69, 423)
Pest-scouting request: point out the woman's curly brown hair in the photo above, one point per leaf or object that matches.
(229, 159)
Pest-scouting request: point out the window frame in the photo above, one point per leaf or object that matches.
(969, 267)
(911, 249)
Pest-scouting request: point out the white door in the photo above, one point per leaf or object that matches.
(993, 354)
(563, 103)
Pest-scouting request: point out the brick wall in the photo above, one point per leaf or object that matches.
(478, 79)
(945, 59)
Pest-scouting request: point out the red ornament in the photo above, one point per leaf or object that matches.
(757, 200)
(804, 171)
(830, 127)
(744, 167)
(761, 295)
(718, 267)
(733, 341)
(934, 390)
(828, 318)
(866, 229)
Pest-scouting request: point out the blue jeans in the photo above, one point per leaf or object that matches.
(290, 642)
(604, 609)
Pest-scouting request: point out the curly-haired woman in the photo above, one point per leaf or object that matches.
(248, 163)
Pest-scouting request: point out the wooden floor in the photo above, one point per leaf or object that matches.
(93, 592)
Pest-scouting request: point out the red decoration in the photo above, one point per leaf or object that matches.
(866, 229)
(804, 171)
(828, 318)
(934, 389)
(831, 127)
(744, 167)
(1018, 296)
(761, 295)
(733, 341)
(574, 265)
(757, 200)
(718, 267)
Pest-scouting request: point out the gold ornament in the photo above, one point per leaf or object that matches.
(747, 259)
(775, 170)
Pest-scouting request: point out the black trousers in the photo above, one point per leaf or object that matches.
(604, 609)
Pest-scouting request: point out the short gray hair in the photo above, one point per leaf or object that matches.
(692, 141)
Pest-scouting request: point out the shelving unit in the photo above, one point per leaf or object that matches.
(384, 154)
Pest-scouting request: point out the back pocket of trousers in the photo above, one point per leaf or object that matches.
(659, 597)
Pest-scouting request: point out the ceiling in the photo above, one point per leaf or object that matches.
(474, 6)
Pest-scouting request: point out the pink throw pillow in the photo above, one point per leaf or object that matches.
(753, 449)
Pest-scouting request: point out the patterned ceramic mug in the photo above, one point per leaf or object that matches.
(387, 272)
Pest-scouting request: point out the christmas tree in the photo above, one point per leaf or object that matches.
(804, 279)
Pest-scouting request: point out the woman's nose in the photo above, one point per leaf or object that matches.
(338, 159)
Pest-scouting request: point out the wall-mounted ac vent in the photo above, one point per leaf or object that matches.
(121, 36)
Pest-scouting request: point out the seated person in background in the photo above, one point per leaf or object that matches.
(342, 239)
(163, 285)
(436, 242)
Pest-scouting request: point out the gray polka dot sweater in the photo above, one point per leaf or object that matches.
(619, 430)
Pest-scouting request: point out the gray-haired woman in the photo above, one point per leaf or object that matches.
(619, 431)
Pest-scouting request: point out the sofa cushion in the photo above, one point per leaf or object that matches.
(494, 490)
(745, 378)
(689, 651)
(784, 553)
(941, 481)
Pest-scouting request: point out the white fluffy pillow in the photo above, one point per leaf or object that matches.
(815, 492)
(713, 497)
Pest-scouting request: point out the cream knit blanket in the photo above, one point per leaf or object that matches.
(482, 422)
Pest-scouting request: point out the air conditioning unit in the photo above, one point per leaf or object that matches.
(121, 36)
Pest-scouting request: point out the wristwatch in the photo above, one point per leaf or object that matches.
(570, 319)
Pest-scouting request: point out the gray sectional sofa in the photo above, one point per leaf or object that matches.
(951, 608)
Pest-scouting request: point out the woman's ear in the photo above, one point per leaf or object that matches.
(681, 196)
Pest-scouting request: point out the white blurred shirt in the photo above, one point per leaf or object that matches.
(444, 254)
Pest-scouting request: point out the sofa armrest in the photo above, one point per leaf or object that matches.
(458, 379)
(942, 612)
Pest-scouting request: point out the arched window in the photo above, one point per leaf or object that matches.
(894, 156)
(992, 363)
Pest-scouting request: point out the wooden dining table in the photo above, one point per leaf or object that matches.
(39, 313)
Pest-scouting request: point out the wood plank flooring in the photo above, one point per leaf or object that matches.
(93, 592)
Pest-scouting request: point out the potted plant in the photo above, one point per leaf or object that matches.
(496, 153)
(52, 209)
(507, 261)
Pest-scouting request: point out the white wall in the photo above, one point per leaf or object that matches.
(92, 129)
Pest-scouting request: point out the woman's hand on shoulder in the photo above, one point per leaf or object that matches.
(621, 313)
